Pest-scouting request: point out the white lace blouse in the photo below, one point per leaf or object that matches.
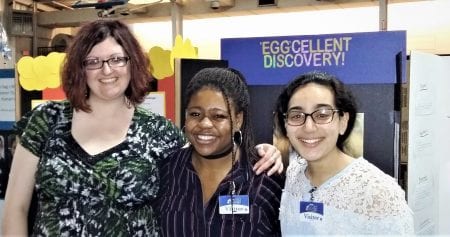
(359, 200)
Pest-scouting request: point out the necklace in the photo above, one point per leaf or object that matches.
(220, 155)
(311, 192)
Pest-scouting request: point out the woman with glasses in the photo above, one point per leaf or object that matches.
(93, 158)
(327, 191)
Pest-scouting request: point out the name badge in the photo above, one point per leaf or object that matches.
(239, 204)
(311, 211)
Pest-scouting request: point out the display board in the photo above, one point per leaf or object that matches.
(379, 119)
(357, 58)
(372, 64)
(428, 146)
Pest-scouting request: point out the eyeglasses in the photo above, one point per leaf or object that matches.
(95, 63)
(320, 116)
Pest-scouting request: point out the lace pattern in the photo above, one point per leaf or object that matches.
(360, 199)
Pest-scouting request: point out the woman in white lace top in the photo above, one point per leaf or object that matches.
(326, 190)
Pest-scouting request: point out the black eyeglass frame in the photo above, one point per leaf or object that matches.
(285, 115)
(108, 61)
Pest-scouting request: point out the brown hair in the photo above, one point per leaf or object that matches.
(74, 74)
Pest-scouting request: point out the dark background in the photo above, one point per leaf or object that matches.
(378, 102)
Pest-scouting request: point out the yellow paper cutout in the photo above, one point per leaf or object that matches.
(41, 72)
(159, 59)
(182, 50)
(162, 61)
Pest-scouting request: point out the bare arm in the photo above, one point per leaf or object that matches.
(19, 193)
(270, 159)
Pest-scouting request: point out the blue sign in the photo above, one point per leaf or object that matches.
(7, 99)
(356, 58)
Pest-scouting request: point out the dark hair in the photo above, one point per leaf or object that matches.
(232, 84)
(74, 74)
(343, 99)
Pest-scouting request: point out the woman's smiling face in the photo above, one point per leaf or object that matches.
(108, 82)
(315, 141)
(207, 125)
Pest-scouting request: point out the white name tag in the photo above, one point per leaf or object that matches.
(311, 211)
(236, 204)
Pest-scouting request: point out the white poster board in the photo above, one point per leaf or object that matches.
(428, 146)
(444, 150)
(155, 102)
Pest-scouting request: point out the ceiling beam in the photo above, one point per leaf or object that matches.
(66, 18)
(62, 5)
(39, 7)
(195, 9)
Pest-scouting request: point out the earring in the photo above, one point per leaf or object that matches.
(128, 102)
(187, 144)
(237, 138)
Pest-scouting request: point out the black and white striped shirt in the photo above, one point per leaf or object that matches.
(181, 207)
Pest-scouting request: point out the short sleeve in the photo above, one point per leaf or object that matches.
(161, 136)
(170, 136)
(35, 126)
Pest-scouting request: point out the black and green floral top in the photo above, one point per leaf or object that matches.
(108, 194)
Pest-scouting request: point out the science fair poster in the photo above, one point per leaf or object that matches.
(356, 58)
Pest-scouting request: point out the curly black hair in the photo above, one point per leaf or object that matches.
(232, 84)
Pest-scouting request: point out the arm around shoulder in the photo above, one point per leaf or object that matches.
(19, 193)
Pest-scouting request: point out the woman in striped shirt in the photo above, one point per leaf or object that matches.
(209, 188)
